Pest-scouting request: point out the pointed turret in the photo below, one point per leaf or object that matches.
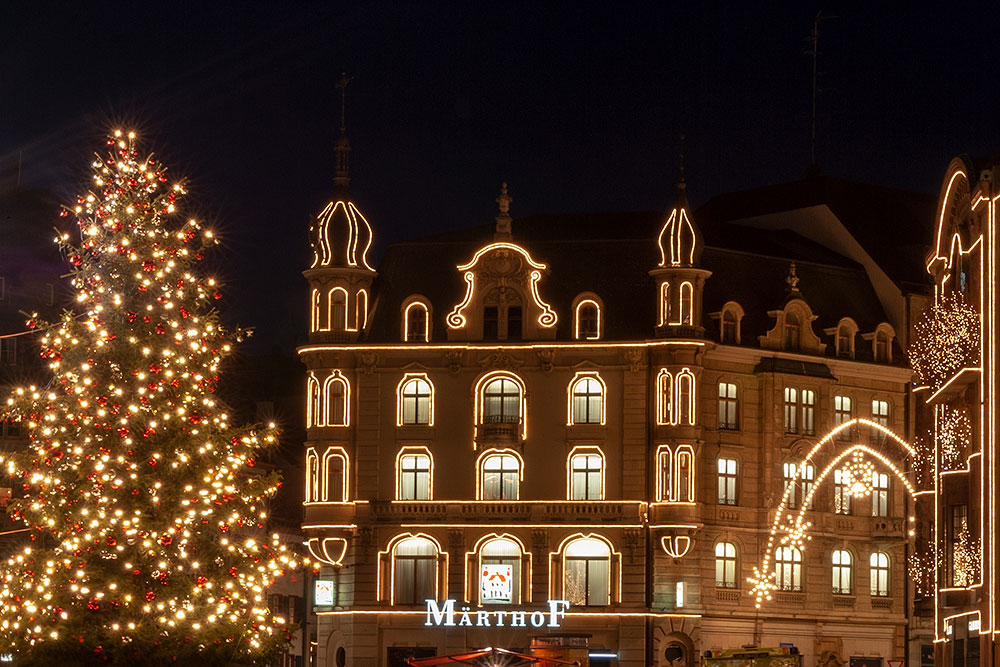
(340, 275)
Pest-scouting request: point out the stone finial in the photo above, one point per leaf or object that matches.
(503, 232)
(792, 281)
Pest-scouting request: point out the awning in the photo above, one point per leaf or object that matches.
(486, 657)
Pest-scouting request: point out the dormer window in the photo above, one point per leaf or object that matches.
(793, 331)
(588, 319)
(729, 328)
(843, 342)
(416, 322)
(881, 347)
(881, 341)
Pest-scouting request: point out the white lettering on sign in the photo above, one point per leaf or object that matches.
(496, 583)
(444, 614)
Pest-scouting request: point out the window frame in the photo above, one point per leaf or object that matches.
(878, 571)
(337, 377)
(402, 397)
(439, 570)
(842, 570)
(523, 577)
(727, 476)
(482, 471)
(340, 453)
(881, 494)
(729, 406)
(572, 394)
(588, 300)
(413, 336)
(588, 452)
(414, 451)
(729, 565)
(788, 569)
(611, 561)
(480, 399)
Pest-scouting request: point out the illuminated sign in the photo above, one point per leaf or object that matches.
(496, 583)
(446, 615)
(323, 593)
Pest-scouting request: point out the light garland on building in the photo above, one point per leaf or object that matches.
(924, 465)
(147, 530)
(920, 569)
(946, 340)
(954, 433)
(965, 558)
(857, 475)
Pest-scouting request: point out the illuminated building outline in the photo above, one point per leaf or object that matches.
(588, 300)
(341, 453)
(354, 220)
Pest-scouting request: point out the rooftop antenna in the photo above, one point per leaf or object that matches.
(814, 52)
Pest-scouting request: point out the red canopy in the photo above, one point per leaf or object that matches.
(486, 657)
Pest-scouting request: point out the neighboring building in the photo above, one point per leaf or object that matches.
(619, 411)
(954, 356)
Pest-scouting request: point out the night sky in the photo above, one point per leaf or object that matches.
(577, 105)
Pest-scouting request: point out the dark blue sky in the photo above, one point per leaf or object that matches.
(577, 105)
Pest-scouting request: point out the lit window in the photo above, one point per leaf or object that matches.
(587, 573)
(417, 323)
(728, 406)
(725, 565)
(685, 397)
(336, 390)
(727, 481)
(587, 477)
(802, 487)
(843, 412)
(880, 494)
(841, 494)
(880, 415)
(335, 476)
(842, 572)
(793, 331)
(665, 477)
(588, 320)
(502, 551)
(501, 402)
(414, 476)
(501, 477)
(588, 401)
(314, 408)
(879, 574)
(338, 309)
(788, 569)
(414, 571)
(808, 412)
(416, 402)
(791, 410)
(312, 476)
(686, 303)
(959, 556)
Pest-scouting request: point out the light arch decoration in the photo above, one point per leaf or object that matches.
(790, 528)
(505, 270)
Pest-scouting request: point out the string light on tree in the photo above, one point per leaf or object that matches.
(147, 524)
(954, 432)
(946, 340)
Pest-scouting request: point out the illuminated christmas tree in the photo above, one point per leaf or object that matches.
(146, 518)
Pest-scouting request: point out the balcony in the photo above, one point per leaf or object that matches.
(499, 431)
(844, 601)
(881, 604)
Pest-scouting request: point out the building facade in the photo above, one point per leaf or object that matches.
(696, 438)
(954, 356)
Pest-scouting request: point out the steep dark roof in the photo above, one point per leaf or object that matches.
(892, 225)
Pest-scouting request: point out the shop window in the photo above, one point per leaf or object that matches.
(843, 570)
(587, 573)
(414, 571)
(414, 474)
(788, 569)
(587, 393)
(879, 563)
(497, 583)
(727, 481)
(729, 407)
(586, 476)
(500, 477)
(725, 565)
(416, 401)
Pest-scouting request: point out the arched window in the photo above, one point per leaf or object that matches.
(844, 341)
(725, 565)
(335, 475)
(793, 331)
(414, 571)
(500, 572)
(361, 310)
(338, 309)
(312, 476)
(416, 401)
(665, 473)
(881, 347)
(684, 475)
(416, 323)
(587, 400)
(500, 477)
(586, 475)
(686, 300)
(685, 398)
(664, 397)
(314, 406)
(729, 330)
(315, 320)
(587, 573)
(843, 570)
(801, 478)
(501, 401)
(413, 474)
(337, 393)
(879, 574)
(788, 568)
(664, 303)
(588, 320)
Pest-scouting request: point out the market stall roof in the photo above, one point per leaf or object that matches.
(486, 657)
